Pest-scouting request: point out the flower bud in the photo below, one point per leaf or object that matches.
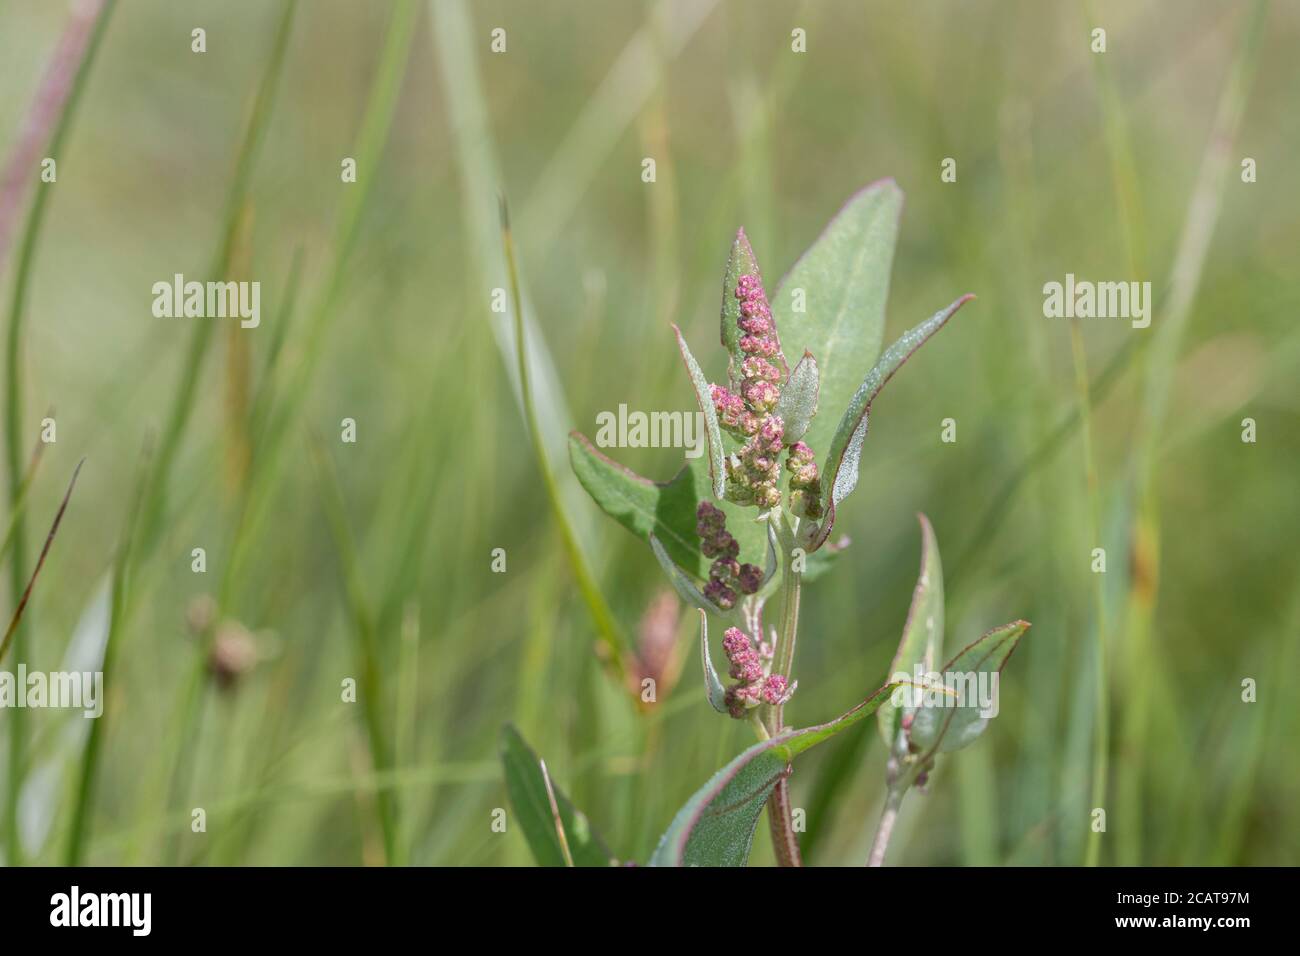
(720, 594)
(761, 396)
(750, 578)
(775, 689)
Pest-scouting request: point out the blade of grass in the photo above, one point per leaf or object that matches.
(602, 617)
(1044, 451)
(40, 563)
(481, 180)
(237, 381)
(55, 101)
(79, 829)
(1189, 259)
(1101, 676)
(1263, 726)
(377, 119)
(263, 395)
(555, 816)
(611, 109)
(55, 107)
(153, 506)
(182, 404)
(370, 685)
(19, 505)
(1123, 166)
(404, 736)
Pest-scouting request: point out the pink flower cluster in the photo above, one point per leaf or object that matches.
(726, 575)
(752, 477)
(753, 686)
(805, 484)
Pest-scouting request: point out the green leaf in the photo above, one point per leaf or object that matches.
(844, 278)
(682, 583)
(667, 510)
(798, 402)
(922, 641)
(526, 786)
(716, 825)
(740, 262)
(946, 727)
(712, 434)
(713, 688)
(840, 467)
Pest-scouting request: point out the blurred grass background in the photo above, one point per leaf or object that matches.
(373, 560)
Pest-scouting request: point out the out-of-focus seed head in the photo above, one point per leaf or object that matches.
(233, 654)
(201, 614)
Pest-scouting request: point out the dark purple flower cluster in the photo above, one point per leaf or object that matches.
(726, 575)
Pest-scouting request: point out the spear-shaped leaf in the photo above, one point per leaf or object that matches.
(840, 468)
(666, 510)
(798, 402)
(712, 685)
(715, 827)
(686, 588)
(740, 262)
(922, 641)
(557, 833)
(712, 434)
(40, 563)
(832, 301)
(946, 725)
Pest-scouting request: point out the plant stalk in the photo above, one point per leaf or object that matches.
(52, 115)
(885, 830)
(1101, 715)
(784, 841)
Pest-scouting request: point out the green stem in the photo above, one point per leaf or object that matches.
(181, 407)
(901, 772)
(885, 830)
(79, 832)
(14, 401)
(784, 841)
(791, 587)
(370, 686)
(1101, 714)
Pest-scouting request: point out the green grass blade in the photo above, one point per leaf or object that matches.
(370, 684)
(606, 626)
(79, 828)
(183, 402)
(79, 61)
